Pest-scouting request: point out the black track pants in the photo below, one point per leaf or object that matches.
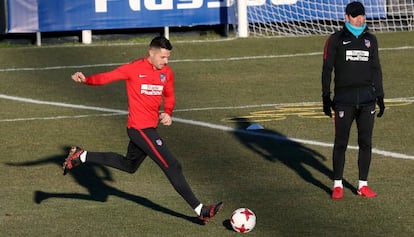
(143, 143)
(344, 117)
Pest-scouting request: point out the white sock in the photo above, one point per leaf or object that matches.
(362, 183)
(83, 156)
(338, 183)
(198, 209)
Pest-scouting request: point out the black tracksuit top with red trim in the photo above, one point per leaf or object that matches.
(357, 68)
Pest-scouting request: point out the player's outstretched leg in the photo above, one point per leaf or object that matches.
(208, 212)
(73, 159)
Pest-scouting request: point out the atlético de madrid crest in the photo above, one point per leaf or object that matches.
(367, 43)
(162, 77)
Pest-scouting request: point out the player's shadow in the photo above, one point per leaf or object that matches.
(93, 178)
(276, 147)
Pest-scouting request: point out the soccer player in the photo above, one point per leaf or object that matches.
(149, 81)
(352, 53)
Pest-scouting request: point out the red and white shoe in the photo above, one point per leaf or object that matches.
(208, 212)
(366, 191)
(73, 159)
(337, 193)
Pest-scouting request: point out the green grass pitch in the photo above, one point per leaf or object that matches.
(221, 88)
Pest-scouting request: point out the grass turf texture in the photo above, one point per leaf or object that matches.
(286, 184)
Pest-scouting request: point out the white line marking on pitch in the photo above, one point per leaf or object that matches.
(186, 60)
(28, 100)
(60, 117)
(207, 125)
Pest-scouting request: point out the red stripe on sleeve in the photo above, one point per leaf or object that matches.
(325, 50)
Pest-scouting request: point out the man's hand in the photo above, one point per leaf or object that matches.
(327, 105)
(78, 77)
(165, 119)
(380, 103)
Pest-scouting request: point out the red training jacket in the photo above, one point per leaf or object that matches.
(146, 87)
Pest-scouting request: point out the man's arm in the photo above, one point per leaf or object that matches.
(119, 73)
(376, 70)
(168, 93)
(328, 64)
(377, 78)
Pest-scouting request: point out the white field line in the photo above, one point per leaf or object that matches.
(281, 138)
(60, 117)
(111, 44)
(32, 101)
(207, 125)
(185, 60)
(170, 61)
(405, 99)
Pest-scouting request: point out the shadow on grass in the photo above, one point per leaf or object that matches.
(276, 147)
(92, 177)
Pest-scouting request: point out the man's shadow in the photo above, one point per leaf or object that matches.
(88, 176)
(276, 147)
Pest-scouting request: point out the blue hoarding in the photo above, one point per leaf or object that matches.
(110, 14)
(70, 15)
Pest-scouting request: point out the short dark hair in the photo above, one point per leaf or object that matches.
(160, 42)
(355, 9)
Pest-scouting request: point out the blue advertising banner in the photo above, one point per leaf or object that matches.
(22, 16)
(112, 14)
(70, 15)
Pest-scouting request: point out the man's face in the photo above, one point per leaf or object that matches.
(159, 57)
(357, 21)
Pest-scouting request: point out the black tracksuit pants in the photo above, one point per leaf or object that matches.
(143, 143)
(344, 117)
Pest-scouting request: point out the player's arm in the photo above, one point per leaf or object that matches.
(328, 64)
(169, 97)
(376, 70)
(377, 78)
(169, 101)
(118, 73)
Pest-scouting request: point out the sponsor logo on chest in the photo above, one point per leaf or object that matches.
(148, 89)
(357, 55)
(151, 89)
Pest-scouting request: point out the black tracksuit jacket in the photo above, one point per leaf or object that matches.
(358, 75)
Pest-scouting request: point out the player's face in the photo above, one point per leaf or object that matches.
(159, 57)
(357, 21)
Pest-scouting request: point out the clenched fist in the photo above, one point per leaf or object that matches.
(78, 77)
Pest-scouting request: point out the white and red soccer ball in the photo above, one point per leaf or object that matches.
(243, 220)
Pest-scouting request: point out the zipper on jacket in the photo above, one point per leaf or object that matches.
(357, 99)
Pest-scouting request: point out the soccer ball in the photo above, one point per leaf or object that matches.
(243, 220)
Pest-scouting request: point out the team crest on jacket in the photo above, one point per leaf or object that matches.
(159, 142)
(367, 43)
(341, 114)
(163, 77)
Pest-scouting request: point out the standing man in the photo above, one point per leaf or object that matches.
(353, 53)
(149, 81)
